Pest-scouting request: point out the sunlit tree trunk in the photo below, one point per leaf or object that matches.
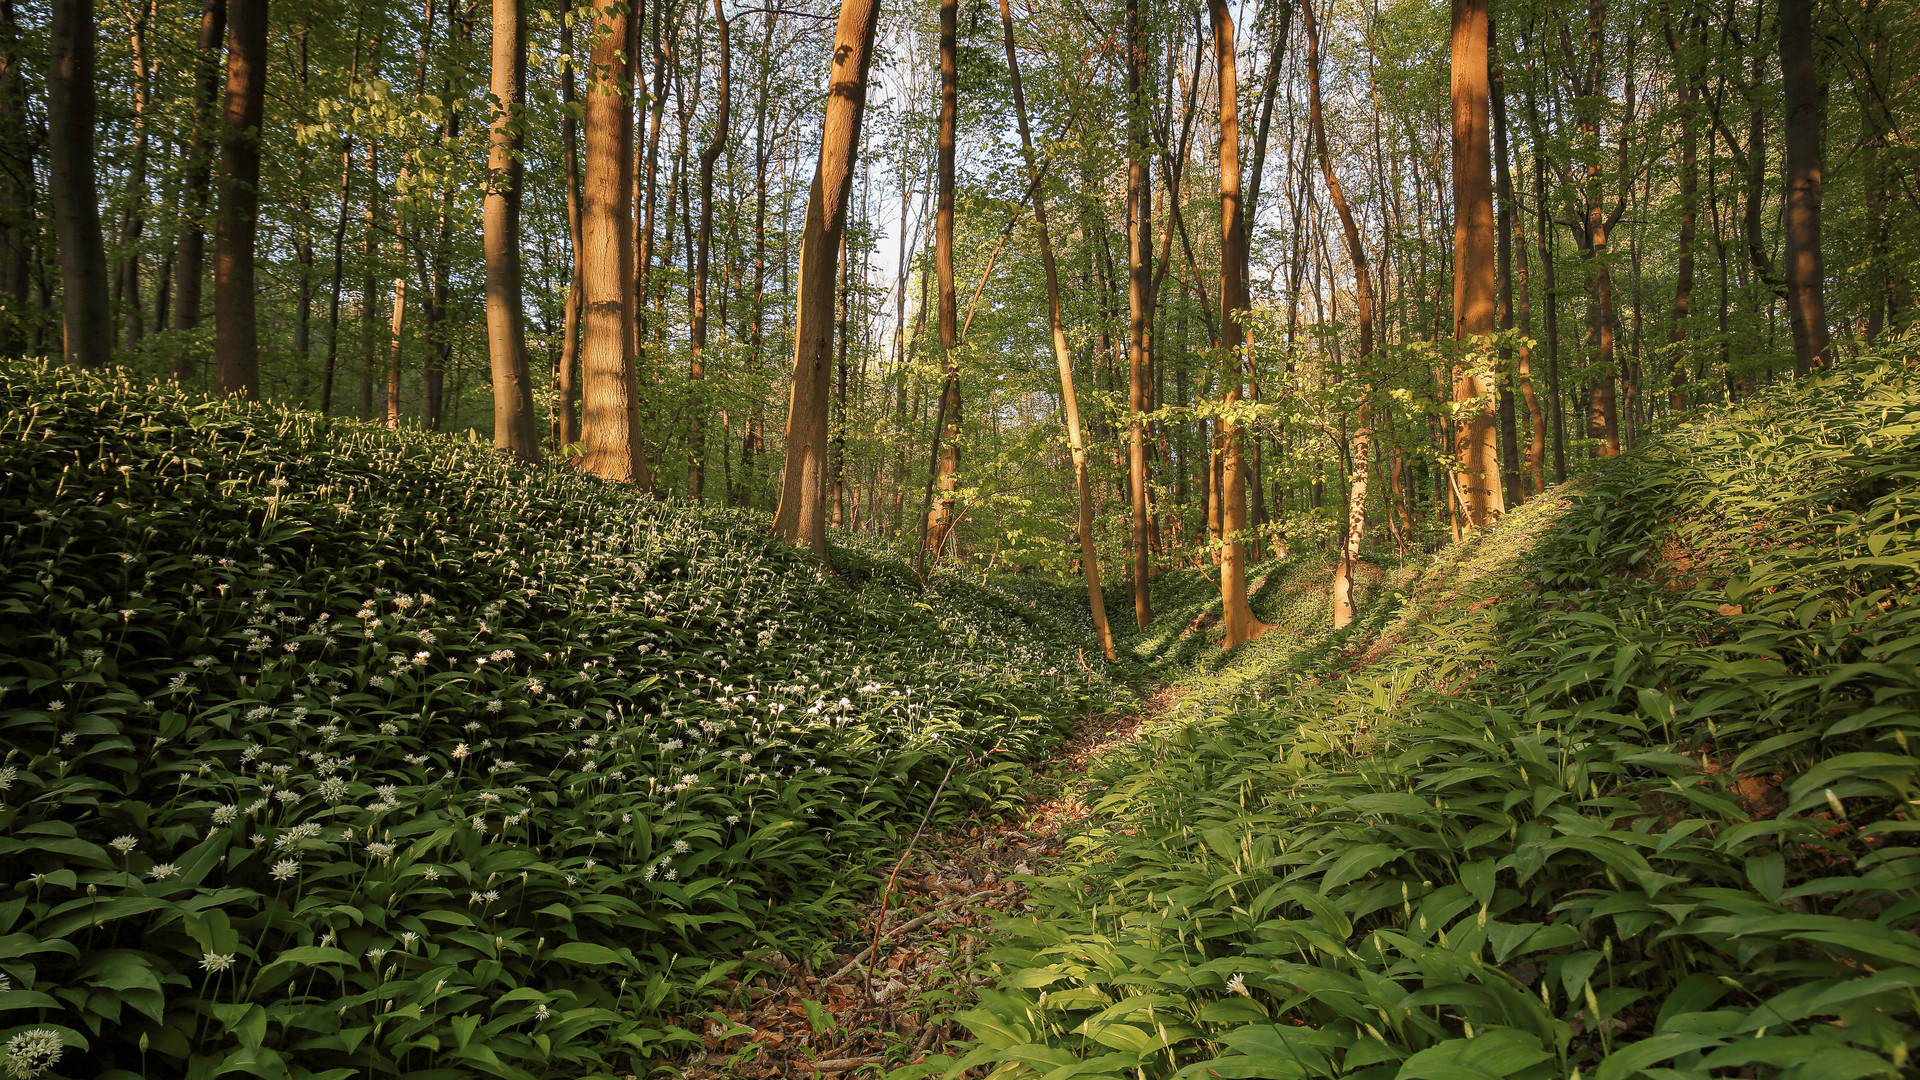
(1062, 358)
(697, 370)
(801, 519)
(1361, 439)
(608, 416)
(1476, 454)
(566, 429)
(1139, 280)
(514, 432)
(1238, 622)
(941, 518)
(85, 318)
(1805, 105)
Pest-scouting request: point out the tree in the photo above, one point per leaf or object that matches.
(513, 426)
(1239, 624)
(236, 344)
(1476, 454)
(190, 259)
(609, 391)
(947, 465)
(1083, 486)
(1360, 442)
(697, 330)
(1139, 304)
(1805, 105)
(801, 519)
(85, 320)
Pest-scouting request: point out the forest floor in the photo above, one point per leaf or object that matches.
(847, 1015)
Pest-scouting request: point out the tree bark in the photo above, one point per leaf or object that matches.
(189, 261)
(1139, 303)
(566, 379)
(1805, 105)
(17, 224)
(697, 332)
(801, 518)
(236, 342)
(1361, 439)
(1690, 94)
(1238, 622)
(1476, 453)
(609, 426)
(85, 318)
(514, 432)
(940, 519)
(1062, 358)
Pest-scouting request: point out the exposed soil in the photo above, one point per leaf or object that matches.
(854, 1016)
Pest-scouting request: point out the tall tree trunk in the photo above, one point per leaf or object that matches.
(1805, 105)
(801, 519)
(1238, 622)
(189, 261)
(236, 342)
(17, 224)
(940, 519)
(339, 247)
(133, 220)
(514, 431)
(1475, 256)
(369, 278)
(1139, 304)
(1361, 439)
(85, 318)
(697, 369)
(609, 427)
(1543, 237)
(1513, 242)
(1690, 95)
(1062, 358)
(566, 379)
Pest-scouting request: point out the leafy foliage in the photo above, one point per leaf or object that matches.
(1649, 819)
(334, 751)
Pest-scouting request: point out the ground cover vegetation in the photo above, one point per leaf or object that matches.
(1624, 788)
(338, 752)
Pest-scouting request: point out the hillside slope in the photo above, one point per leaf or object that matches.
(332, 751)
(1624, 788)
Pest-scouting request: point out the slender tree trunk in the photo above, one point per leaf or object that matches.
(1690, 94)
(1805, 105)
(1063, 359)
(566, 379)
(697, 369)
(1475, 247)
(940, 519)
(514, 431)
(133, 220)
(189, 261)
(1514, 261)
(339, 249)
(17, 224)
(1361, 438)
(1139, 303)
(609, 428)
(85, 317)
(1238, 622)
(369, 279)
(801, 519)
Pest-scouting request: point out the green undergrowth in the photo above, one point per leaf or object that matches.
(1624, 788)
(332, 751)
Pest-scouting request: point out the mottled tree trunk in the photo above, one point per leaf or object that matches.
(514, 432)
(1475, 258)
(236, 342)
(190, 258)
(1805, 105)
(801, 519)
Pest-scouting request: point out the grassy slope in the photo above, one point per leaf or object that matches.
(1621, 788)
(332, 751)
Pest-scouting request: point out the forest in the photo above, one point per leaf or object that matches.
(1228, 538)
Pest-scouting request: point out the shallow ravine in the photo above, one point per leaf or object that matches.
(853, 1016)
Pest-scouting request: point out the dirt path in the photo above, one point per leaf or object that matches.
(854, 1016)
